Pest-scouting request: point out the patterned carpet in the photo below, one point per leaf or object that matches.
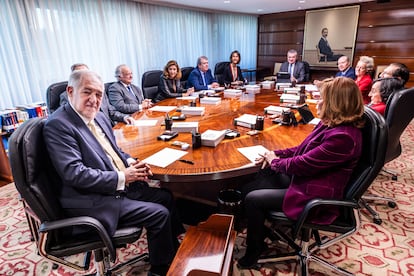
(386, 249)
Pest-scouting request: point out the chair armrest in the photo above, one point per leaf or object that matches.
(85, 221)
(319, 202)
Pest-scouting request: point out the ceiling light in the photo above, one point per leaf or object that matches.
(226, 1)
(302, 1)
(259, 10)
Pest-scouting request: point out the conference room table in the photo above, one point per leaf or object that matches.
(209, 164)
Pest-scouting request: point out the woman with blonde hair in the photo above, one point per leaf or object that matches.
(170, 85)
(363, 80)
(320, 167)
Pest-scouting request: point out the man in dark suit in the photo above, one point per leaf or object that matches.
(97, 175)
(345, 68)
(201, 77)
(295, 68)
(325, 48)
(110, 111)
(125, 96)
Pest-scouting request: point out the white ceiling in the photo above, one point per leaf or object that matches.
(257, 7)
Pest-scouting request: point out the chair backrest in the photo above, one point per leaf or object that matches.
(374, 145)
(149, 85)
(219, 70)
(107, 85)
(53, 95)
(321, 57)
(33, 172)
(185, 73)
(398, 114)
(307, 71)
(276, 68)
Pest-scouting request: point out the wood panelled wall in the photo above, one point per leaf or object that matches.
(385, 32)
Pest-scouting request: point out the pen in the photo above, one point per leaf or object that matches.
(186, 161)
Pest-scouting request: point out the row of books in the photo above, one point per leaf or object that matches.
(10, 119)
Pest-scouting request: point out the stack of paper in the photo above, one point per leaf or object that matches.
(294, 99)
(246, 120)
(210, 100)
(185, 126)
(278, 110)
(253, 89)
(232, 93)
(280, 85)
(212, 138)
(268, 84)
(193, 110)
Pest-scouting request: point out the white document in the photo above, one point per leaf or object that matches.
(145, 122)
(253, 152)
(165, 157)
(190, 98)
(163, 108)
(314, 121)
(311, 87)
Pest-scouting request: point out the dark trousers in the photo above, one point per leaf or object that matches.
(264, 193)
(153, 208)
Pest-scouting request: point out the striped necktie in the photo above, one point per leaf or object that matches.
(116, 160)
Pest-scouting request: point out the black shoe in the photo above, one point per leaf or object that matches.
(249, 260)
(158, 270)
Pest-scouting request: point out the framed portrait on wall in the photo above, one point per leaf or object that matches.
(329, 34)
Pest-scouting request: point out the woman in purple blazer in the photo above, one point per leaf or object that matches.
(319, 167)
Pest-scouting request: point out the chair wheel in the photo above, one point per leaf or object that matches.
(377, 221)
(392, 204)
(394, 177)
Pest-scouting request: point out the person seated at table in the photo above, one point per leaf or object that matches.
(233, 73)
(319, 167)
(201, 77)
(110, 111)
(381, 90)
(295, 68)
(396, 70)
(363, 80)
(345, 70)
(169, 85)
(369, 61)
(125, 96)
(102, 181)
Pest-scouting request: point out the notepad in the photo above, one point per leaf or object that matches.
(164, 157)
(253, 152)
(163, 108)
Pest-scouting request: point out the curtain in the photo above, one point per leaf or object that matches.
(41, 39)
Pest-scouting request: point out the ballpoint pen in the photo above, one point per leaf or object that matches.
(186, 161)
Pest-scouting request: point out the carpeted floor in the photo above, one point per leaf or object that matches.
(386, 249)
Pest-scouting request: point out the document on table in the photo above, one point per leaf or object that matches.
(163, 108)
(165, 157)
(253, 152)
(145, 122)
(190, 98)
(314, 121)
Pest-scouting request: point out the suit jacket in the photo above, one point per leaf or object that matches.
(110, 111)
(166, 88)
(123, 100)
(320, 168)
(324, 47)
(228, 76)
(365, 84)
(349, 73)
(196, 80)
(88, 177)
(298, 71)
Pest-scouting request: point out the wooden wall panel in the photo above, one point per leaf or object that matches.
(384, 32)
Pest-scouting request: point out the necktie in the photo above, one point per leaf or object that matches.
(130, 90)
(203, 75)
(290, 69)
(116, 160)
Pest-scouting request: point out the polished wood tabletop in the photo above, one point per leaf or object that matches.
(210, 163)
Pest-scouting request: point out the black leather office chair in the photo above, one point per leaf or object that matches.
(53, 95)
(398, 114)
(375, 135)
(185, 73)
(38, 185)
(307, 71)
(219, 70)
(150, 80)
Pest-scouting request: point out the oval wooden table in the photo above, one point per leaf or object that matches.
(210, 163)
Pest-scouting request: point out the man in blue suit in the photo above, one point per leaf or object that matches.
(345, 68)
(97, 175)
(201, 77)
(295, 68)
